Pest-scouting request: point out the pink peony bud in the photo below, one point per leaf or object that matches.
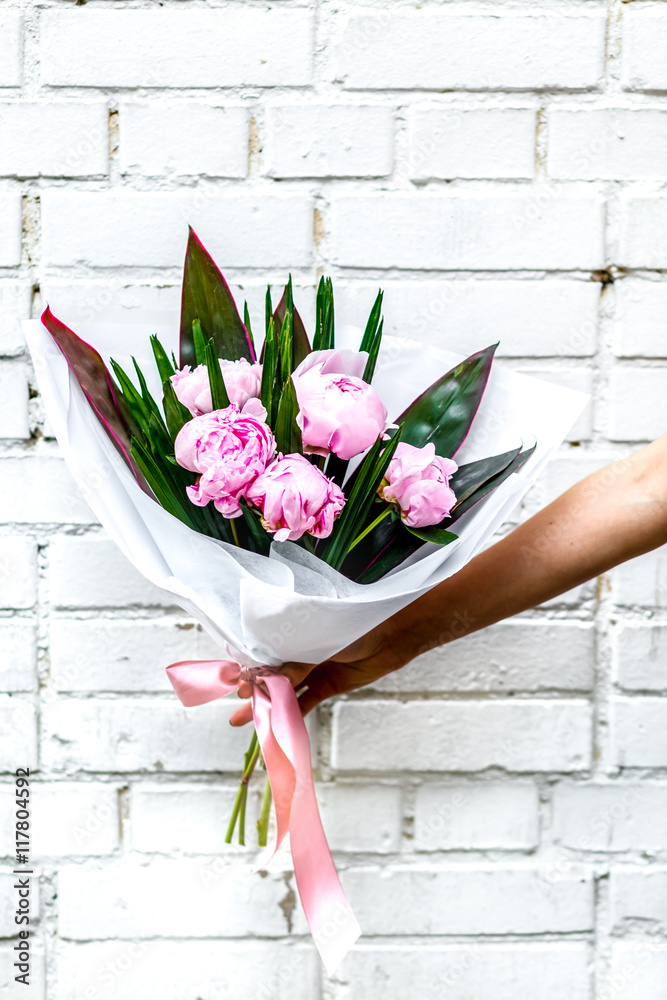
(417, 480)
(338, 411)
(242, 382)
(230, 449)
(295, 498)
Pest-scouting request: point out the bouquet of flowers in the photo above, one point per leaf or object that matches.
(290, 498)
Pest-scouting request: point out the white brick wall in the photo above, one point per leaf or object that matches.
(493, 167)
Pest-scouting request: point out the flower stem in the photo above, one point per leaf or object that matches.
(367, 531)
(263, 821)
(238, 812)
(235, 533)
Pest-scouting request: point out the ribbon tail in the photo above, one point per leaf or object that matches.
(330, 917)
(280, 771)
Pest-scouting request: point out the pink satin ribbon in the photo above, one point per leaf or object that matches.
(286, 750)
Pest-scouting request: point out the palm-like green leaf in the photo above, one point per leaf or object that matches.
(444, 412)
(287, 432)
(207, 298)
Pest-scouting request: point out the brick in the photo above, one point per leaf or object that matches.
(474, 969)
(642, 241)
(182, 970)
(476, 817)
(612, 144)
(37, 983)
(125, 735)
(183, 137)
(462, 736)
(356, 142)
(14, 306)
(18, 572)
(8, 899)
(18, 734)
(10, 229)
(514, 656)
(114, 300)
(93, 572)
(639, 331)
(618, 816)
(39, 489)
(53, 139)
(11, 49)
(189, 48)
(180, 898)
(644, 40)
(629, 421)
(68, 818)
(148, 228)
(559, 476)
(639, 894)
(530, 318)
(640, 652)
(13, 402)
(187, 818)
(111, 655)
(430, 50)
(581, 380)
(450, 141)
(546, 229)
(18, 656)
(638, 732)
(638, 970)
(361, 817)
(642, 582)
(462, 899)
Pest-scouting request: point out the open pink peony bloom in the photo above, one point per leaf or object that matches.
(338, 411)
(242, 382)
(418, 481)
(230, 449)
(295, 498)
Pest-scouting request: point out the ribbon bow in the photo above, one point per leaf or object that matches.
(285, 746)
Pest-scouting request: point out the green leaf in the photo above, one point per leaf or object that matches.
(439, 536)
(369, 370)
(175, 413)
(246, 321)
(206, 297)
(470, 477)
(132, 397)
(444, 412)
(164, 365)
(261, 540)
(301, 345)
(198, 342)
(269, 364)
(167, 497)
(372, 324)
(287, 347)
(490, 485)
(97, 385)
(149, 402)
(219, 396)
(352, 519)
(324, 338)
(287, 433)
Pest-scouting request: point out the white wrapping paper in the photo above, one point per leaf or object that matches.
(289, 606)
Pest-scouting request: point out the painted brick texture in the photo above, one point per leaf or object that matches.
(498, 809)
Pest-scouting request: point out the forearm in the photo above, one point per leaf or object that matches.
(616, 514)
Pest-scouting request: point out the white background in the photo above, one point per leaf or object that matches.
(499, 168)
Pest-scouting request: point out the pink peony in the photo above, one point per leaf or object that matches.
(338, 411)
(230, 449)
(242, 382)
(418, 481)
(294, 498)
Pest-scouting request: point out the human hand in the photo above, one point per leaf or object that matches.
(361, 663)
